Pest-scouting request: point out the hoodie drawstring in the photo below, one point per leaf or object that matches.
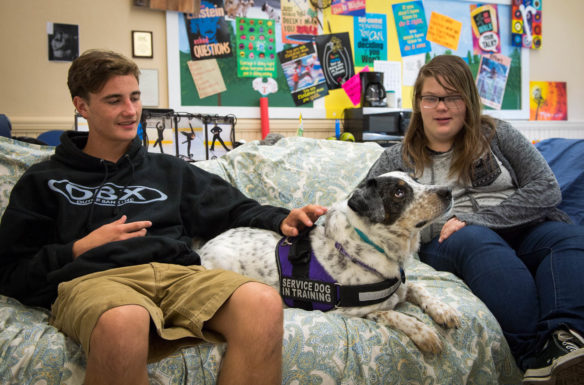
(96, 193)
(116, 211)
(128, 180)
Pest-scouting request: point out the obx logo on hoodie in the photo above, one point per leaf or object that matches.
(108, 194)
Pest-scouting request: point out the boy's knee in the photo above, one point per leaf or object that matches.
(122, 322)
(262, 305)
(264, 299)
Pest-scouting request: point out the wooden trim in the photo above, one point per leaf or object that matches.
(250, 129)
(245, 129)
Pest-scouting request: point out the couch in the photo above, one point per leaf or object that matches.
(319, 348)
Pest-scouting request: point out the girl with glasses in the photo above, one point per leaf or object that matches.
(505, 236)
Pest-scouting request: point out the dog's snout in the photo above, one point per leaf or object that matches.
(445, 193)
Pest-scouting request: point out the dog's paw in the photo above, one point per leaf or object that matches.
(440, 312)
(425, 338)
(444, 314)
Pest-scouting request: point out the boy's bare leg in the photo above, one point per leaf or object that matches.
(119, 347)
(252, 323)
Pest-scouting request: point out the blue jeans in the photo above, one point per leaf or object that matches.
(532, 279)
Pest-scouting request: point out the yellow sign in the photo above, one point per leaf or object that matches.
(444, 30)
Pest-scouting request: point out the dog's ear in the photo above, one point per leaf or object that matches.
(366, 201)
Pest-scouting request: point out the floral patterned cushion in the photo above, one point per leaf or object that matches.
(319, 348)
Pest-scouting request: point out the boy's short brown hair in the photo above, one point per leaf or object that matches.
(90, 71)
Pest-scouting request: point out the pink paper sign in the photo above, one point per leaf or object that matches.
(353, 87)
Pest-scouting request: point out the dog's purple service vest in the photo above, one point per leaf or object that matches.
(305, 284)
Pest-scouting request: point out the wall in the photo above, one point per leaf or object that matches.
(34, 90)
(35, 96)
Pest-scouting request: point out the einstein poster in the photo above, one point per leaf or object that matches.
(208, 33)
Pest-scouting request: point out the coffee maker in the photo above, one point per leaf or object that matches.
(372, 90)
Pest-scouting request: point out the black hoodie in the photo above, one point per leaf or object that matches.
(61, 200)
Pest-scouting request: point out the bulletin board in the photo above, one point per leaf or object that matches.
(515, 104)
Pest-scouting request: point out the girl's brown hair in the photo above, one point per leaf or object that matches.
(452, 73)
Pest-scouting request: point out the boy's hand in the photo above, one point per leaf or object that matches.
(116, 231)
(301, 218)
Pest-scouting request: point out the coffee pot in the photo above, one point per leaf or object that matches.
(372, 90)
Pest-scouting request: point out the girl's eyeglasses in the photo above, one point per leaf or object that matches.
(451, 101)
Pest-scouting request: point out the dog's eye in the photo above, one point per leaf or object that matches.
(399, 193)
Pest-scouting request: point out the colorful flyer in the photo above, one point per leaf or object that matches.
(410, 22)
(348, 7)
(526, 23)
(303, 73)
(209, 35)
(548, 101)
(444, 30)
(492, 79)
(298, 19)
(336, 58)
(256, 48)
(370, 39)
(485, 29)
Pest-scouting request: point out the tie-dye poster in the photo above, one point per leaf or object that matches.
(548, 101)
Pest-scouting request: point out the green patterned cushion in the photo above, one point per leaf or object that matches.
(15, 158)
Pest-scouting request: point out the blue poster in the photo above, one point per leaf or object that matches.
(370, 39)
(411, 25)
(209, 36)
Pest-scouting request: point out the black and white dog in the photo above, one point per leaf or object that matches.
(358, 254)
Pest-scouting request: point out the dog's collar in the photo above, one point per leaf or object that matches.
(366, 239)
(304, 283)
(344, 252)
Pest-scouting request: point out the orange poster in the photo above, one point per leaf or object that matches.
(548, 101)
(299, 21)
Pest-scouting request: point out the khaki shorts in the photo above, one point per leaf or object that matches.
(179, 299)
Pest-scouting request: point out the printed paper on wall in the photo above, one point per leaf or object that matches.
(526, 23)
(298, 18)
(256, 48)
(348, 7)
(370, 39)
(444, 30)
(208, 33)
(303, 73)
(492, 79)
(410, 22)
(485, 29)
(336, 57)
(548, 101)
(207, 77)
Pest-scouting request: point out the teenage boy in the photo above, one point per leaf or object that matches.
(101, 234)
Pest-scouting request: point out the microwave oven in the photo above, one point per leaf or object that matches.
(376, 124)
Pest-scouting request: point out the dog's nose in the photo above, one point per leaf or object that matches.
(445, 193)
